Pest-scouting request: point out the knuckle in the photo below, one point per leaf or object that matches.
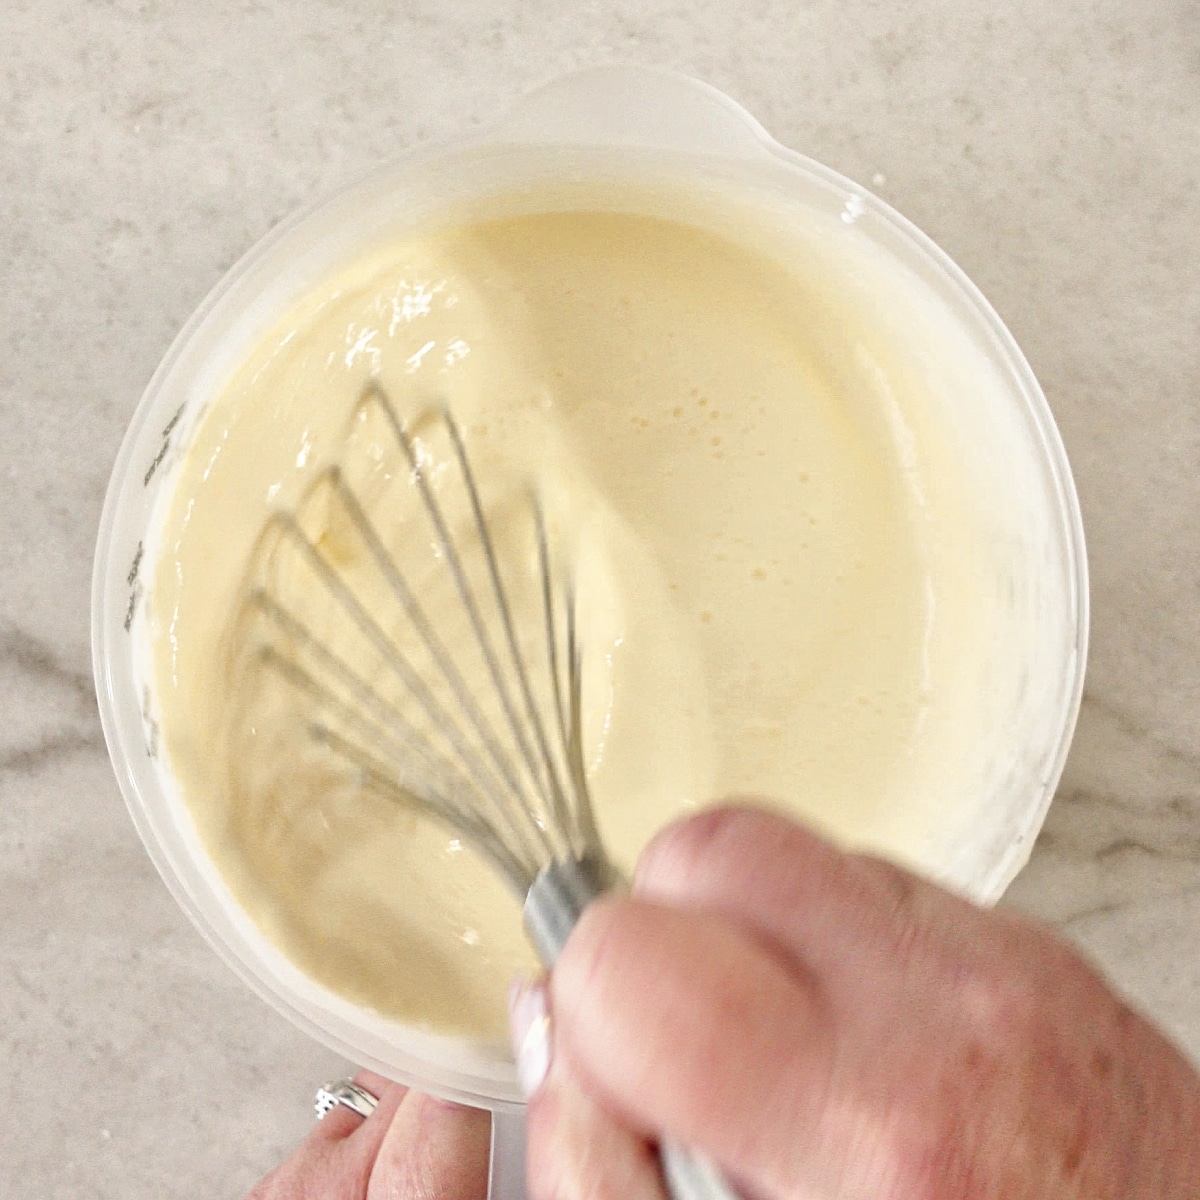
(933, 1153)
(1046, 984)
(901, 901)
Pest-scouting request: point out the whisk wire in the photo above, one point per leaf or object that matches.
(541, 769)
(398, 663)
(588, 835)
(507, 763)
(389, 723)
(411, 743)
(416, 614)
(519, 874)
(563, 812)
(556, 799)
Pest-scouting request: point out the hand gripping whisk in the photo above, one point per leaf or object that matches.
(413, 666)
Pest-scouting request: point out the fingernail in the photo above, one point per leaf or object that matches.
(529, 1022)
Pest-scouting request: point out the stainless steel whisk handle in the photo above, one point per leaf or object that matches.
(553, 904)
(558, 897)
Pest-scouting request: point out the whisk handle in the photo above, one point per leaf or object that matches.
(558, 897)
(690, 1175)
(554, 903)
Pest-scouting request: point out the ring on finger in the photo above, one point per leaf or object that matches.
(347, 1093)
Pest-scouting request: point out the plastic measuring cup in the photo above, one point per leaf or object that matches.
(603, 124)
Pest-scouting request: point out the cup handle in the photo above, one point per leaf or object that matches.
(506, 1174)
(634, 106)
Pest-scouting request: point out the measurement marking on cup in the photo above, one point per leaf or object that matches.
(134, 597)
(134, 585)
(173, 421)
(166, 445)
(155, 464)
(151, 725)
(137, 562)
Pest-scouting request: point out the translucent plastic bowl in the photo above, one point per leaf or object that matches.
(601, 124)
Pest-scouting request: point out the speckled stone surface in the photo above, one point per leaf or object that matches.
(1051, 149)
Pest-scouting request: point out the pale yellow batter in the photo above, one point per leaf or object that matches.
(745, 449)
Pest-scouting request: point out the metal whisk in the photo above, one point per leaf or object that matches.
(463, 713)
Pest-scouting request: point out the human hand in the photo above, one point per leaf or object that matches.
(412, 1147)
(828, 1026)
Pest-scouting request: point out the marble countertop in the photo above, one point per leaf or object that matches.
(1051, 149)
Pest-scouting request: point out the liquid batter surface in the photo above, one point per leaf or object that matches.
(772, 530)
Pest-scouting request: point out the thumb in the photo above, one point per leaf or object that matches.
(692, 1029)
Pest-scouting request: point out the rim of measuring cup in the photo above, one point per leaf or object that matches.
(636, 110)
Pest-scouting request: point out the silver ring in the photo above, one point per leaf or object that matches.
(346, 1092)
